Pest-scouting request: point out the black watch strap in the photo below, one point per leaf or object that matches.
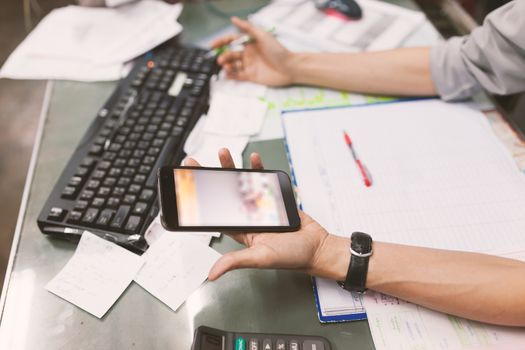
(361, 250)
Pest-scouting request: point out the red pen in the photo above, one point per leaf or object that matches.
(364, 173)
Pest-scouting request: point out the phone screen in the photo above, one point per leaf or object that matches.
(223, 198)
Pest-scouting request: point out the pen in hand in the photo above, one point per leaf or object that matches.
(235, 45)
(367, 179)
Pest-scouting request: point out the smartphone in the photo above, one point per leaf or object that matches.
(217, 199)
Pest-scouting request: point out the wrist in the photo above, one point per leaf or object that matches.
(332, 258)
(294, 65)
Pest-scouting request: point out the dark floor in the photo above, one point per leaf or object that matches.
(20, 105)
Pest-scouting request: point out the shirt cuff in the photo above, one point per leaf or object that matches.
(450, 75)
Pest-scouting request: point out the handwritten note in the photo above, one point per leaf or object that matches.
(96, 275)
(175, 266)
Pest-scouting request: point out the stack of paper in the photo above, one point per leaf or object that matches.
(91, 44)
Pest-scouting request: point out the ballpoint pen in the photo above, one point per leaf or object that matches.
(364, 173)
(234, 45)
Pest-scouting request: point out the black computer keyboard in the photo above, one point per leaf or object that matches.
(109, 185)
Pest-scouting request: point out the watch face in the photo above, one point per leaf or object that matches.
(361, 243)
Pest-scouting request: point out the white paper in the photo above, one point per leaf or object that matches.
(90, 44)
(156, 230)
(399, 325)
(383, 26)
(204, 147)
(96, 275)
(175, 266)
(441, 178)
(234, 115)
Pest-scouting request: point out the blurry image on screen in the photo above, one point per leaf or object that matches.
(223, 198)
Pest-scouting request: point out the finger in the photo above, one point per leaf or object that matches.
(226, 158)
(190, 162)
(245, 258)
(247, 27)
(224, 40)
(256, 161)
(229, 56)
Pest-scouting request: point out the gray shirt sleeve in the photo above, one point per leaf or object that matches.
(492, 57)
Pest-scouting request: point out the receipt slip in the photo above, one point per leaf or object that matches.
(175, 266)
(96, 275)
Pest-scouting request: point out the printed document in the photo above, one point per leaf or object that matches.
(440, 177)
(383, 26)
(96, 275)
(175, 266)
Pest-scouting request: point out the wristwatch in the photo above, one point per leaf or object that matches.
(361, 250)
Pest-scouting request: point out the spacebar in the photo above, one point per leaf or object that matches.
(168, 154)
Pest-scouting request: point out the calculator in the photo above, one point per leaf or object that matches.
(207, 338)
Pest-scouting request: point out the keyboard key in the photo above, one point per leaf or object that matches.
(93, 184)
(133, 223)
(254, 344)
(124, 181)
(81, 171)
(140, 208)
(76, 181)
(105, 217)
(313, 345)
(115, 172)
(96, 150)
(240, 343)
(146, 195)
(267, 344)
(110, 181)
(129, 199)
(294, 345)
(98, 202)
(139, 179)
(104, 191)
(134, 189)
(113, 202)
(57, 214)
(144, 169)
(81, 205)
(87, 194)
(280, 345)
(120, 217)
(90, 215)
(99, 174)
(70, 192)
(119, 191)
(74, 216)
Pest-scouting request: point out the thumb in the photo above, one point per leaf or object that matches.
(246, 27)
(245, 258)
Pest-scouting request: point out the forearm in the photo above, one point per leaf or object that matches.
(475, 286)
(393, 72)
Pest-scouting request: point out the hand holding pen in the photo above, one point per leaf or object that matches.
(264, 60)
(367, 178)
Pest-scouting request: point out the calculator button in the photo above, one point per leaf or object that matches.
(313, 345)
(267, 344)
(280, 345)
(294, 345)
(254, 344)
(240, 343)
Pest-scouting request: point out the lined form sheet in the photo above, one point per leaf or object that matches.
(440, 177)
(96, 275)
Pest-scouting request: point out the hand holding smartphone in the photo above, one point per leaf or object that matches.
(220, 199)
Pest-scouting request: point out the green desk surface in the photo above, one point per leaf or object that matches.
(244, 300)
